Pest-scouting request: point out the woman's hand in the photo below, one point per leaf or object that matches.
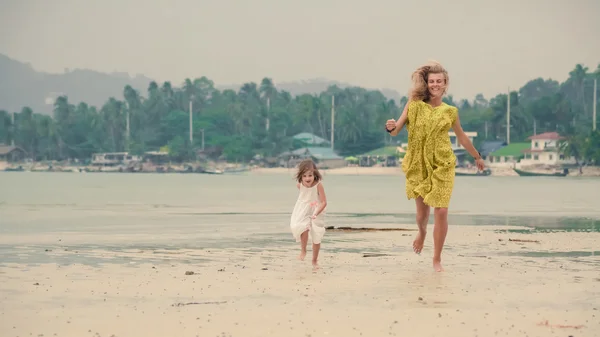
(480, 164)
(390, 125)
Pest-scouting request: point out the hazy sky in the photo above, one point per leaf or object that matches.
(486, 45)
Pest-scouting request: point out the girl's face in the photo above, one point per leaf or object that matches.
(436, 84)
(308, 178)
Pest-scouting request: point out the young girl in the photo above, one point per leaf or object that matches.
(307, 216)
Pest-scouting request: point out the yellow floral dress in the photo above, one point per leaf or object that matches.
(429, 161)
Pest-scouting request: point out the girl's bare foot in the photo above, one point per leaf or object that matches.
(302, 255)
(315, 266)
(437, 265)
(419, 242)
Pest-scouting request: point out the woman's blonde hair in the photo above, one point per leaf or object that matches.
(419, 90)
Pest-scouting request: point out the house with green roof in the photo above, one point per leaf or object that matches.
(508, 155)
(324, 157)
(305, 139)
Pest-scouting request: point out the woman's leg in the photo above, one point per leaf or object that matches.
(422, 219)
(439, 236)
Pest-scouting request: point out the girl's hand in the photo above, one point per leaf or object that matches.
(314, 216)
(480, 164)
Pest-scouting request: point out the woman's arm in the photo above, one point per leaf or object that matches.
(464, 140)
(401, 121)
(322, 200)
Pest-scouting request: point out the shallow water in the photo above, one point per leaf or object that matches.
(121, 212)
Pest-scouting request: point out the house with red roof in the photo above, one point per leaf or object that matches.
(545, 150)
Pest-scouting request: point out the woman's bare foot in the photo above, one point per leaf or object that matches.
(302, 255)
(419, 242)
(437, 265)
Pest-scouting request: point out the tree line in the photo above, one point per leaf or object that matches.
(259, 119)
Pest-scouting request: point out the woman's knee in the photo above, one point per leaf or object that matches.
(422, 216)
(441, 212)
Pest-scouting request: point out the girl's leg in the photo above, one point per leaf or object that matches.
(303, 243)
(422, 219)
(439, 236)
(315, 250)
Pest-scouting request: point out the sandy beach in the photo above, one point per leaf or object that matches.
(492, 286)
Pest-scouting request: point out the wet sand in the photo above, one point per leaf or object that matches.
(492, 286)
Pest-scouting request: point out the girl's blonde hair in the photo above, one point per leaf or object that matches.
(419, 90)
(305, 166)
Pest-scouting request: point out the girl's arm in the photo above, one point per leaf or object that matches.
(401, 121)
(298, 185)
(322, 200)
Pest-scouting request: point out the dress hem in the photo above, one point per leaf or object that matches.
(428, 203)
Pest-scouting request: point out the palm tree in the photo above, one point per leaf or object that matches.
(578, 76)
(267, 92)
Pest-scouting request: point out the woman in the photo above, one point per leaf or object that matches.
(429, 162)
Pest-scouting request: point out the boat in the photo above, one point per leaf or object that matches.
(14, 169)
(478, 173)
(209, 171)
(524, 173)
(235, 170)
(203, 170)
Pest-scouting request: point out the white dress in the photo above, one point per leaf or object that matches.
(307, 203)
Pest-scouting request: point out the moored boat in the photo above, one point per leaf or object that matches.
(537, 173)
(477, 173)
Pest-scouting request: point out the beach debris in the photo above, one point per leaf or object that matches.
(265, 268)
(375, 254)
(523, 240)
(366, 229)
(420, 298)
(36, 284)
(560, 326)
(180, 304)
(189, 272)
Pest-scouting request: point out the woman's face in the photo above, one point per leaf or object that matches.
(436, 84)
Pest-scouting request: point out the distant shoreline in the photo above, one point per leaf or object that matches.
(395, 171)
(589, 171)
(348, 170)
